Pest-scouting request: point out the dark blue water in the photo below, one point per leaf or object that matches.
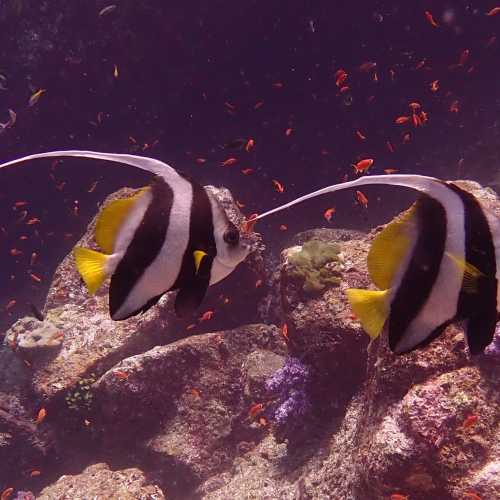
(194, 76)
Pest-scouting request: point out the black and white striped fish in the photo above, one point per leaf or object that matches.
(172, 235)
(434, 264)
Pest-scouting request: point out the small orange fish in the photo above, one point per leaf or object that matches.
(363, 165)
(41, 416)
(6, 493)
(121, 375)
(35, 97)
(435, 85)
(343, 89)
(191, 326)
(288, 132)
(421, 64)
(414, 106)
(367, 66)
(262, 421)
(329, 213)
(35, 472)
(406, 137)
(430, 18)
(284, 331)
(207, 315)
(33, 220)
(15, 252)
(390, 147)
(36, 278)
(470, 421)
(115, 71)
(10, 305)
(249, 145)
(360, 135)
(201, 161)
(471, 495)
(249, 223)
(283, 227)
(463, 57)
(195, 393)
(19, 204)
(341, 78)
(278, 85)
(255, 409)
(362, 199)
(278, 186)
(493, 12)
(258, 283)
(454, 107)
(229, 162)
(258, 105)
(230, 105)
(402, 119)
(389, 171)
(247, 171)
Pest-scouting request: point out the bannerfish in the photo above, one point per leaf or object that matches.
(436, 263)
(171, 235)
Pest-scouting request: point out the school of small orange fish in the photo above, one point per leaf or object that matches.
(26, 257)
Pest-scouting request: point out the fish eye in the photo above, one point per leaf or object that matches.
(231, 236)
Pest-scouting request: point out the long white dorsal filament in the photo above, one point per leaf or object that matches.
(429, 185)
(142, 162)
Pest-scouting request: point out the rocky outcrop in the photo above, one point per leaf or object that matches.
(100, 483)
(306, 408)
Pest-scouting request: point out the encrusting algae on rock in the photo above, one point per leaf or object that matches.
(315, 265)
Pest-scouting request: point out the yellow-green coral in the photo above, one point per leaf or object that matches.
(81, 397)
(311, 266)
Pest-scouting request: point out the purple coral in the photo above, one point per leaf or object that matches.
(494, 348)
(288, 386)
(24, 495)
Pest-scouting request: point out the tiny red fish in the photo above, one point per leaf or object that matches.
(402, 119)
(249, 223)
(6, 493)
(329, 213)
(207, 315)
(10, 304)
(367, 66)
(278, 186)
(258, 105)
(470, 421)
(15, 252)
(363, 165)
(390, 147)
(229, 162)
(430, 18)
(454, 107)
(463, 57)
(255, 409)
(35, 278)
(249, 145)
(247, 171)
(284, 331)
(362, 199)
(360, 135)
(493, 12)
(283, 227)
(435, 85)
(414, 106)
(33, 220)
(258, 283)
(120, 374)
(288, 132)
(278, 85)
(390, 170)
(41, 416)
(201, 161)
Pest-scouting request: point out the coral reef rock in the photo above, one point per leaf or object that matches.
(98, 482)
(305, 408)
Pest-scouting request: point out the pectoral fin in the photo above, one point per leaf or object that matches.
(471, 273)
(92, 267)
(190, 296)
(371, 308)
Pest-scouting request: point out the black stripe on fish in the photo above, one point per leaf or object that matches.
(481, 307)
(201, 236)
(145, 246)
(422, 270)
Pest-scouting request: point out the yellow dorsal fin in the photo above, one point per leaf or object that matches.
(371, 307)
(111, 219)
(471, 273)
(198, 256)
(91, 266)
(389, 249)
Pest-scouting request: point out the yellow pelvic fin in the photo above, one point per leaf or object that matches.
(111, 219)
(389, 249)
(91, 266)
(198, 257)
(371, 308)
(471, 273)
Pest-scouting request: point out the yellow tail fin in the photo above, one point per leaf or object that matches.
(91, 266)
(371, 308)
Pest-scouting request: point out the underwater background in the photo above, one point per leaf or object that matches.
(194, 77)
(272, 389)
